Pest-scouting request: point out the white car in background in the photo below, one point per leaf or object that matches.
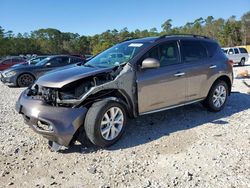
(238, 55)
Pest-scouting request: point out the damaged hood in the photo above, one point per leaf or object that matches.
(60, 78)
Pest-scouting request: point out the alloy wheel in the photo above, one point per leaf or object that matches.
(219, 96)
(112, 123)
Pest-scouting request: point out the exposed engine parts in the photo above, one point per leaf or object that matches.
(73, 91)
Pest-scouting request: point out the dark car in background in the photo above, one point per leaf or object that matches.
(7, 62)
(25, 74)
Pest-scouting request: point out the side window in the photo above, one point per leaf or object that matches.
(168, 54)
(152, 53)
(7, 62)
(75, 60)
(17, 60)
(236, 51)
(230, 51)
(64, 60)
(212, 48)
(193, 51)
(59, 61)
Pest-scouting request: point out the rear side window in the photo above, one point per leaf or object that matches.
(236, 51)
(17, 60)
(243, 50)
(7, 62)
(211, 47)
(57, 61)
(193, 51)
(75, 60)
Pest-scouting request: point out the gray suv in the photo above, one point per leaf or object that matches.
(130, 79)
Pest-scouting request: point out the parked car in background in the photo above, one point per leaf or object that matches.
(25, 74)
(32, 61)
(7, 62)
(130, 79)
(237, 55)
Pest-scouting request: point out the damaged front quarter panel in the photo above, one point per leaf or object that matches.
(65, 116)
(124, 82)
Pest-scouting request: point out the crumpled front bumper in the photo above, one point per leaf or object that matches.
(59, 124)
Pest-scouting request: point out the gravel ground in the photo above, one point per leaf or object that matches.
(184, 147)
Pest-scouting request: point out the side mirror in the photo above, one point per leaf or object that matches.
(48, 65)
(150, 63)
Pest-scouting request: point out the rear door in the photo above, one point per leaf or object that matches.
(199, 68)
(165, 86)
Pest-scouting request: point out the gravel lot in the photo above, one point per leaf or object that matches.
(184, 147)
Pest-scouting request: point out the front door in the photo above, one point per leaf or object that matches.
(165, 86)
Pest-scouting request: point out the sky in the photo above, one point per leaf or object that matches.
(89, 17)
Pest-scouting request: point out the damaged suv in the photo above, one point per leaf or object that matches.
(133, 78)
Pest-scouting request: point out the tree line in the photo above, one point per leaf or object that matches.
(228, 32)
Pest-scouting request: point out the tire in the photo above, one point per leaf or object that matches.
(242, 62)
(211, 103)
(105, 134)
(25, 80)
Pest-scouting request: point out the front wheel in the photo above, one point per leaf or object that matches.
(25, 80)
(105, 122)
(217, 96)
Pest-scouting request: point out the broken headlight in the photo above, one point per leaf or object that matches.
(48, 94)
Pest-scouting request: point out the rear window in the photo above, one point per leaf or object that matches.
(243, 50)
(212, 47)
(193, 50)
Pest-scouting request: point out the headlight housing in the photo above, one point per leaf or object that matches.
(10, 73)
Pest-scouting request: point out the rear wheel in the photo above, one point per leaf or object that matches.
(105, 122)
(242, 62)
(25, 80)
(217, 96)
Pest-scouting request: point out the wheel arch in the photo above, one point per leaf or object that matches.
(227, 80)
(111, 94)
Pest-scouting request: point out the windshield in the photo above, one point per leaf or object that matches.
(117, 55)
(43, 62)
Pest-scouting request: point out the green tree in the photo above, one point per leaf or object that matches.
(166, 26)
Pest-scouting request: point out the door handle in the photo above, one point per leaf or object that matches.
(213, 66)
(179, 74)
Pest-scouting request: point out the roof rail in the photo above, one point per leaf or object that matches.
(183, 35)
